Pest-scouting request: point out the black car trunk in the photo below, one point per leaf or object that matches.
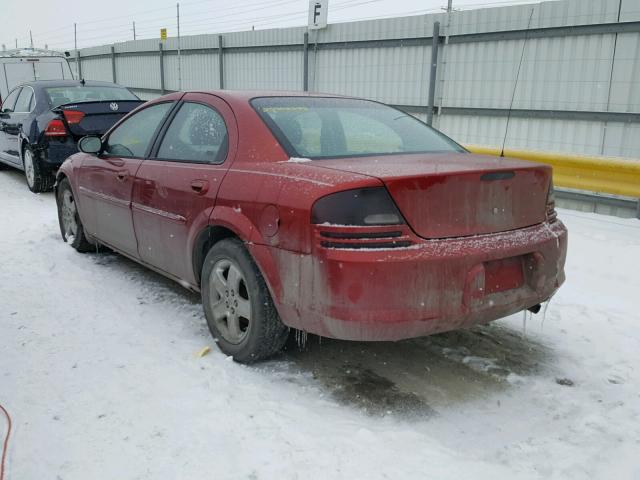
(94, 118)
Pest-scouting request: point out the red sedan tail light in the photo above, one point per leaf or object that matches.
(362, 238)
(73, 116)
(55, 128)
(362, 206)
(359, 219)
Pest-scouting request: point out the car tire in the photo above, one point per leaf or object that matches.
(69, 219)
(238, 306)
(39, 179)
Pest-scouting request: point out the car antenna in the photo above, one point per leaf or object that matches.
(515, 86)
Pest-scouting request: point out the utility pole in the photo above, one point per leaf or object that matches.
(75, 47)
(31, 37)
(179, 56)
(16, 43)
(134, 31)
(450, 6)
(433, 75)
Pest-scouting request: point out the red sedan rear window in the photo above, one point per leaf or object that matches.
(326, 127)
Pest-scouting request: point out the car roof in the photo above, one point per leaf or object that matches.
(246, 95)
(239, 100)
(31, 53)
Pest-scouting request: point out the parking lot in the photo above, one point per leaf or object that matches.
(100, 372)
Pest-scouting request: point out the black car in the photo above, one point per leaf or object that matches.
(41, 123)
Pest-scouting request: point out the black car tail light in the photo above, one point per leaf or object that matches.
(364, 218)
(363, 207)
(73, 117)
(55, 128)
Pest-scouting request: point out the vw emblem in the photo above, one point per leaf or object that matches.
(113, 106)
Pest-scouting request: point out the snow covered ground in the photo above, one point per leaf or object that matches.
(99, 371)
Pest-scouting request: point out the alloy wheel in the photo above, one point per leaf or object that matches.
(29, 169)
(69, 222)
(230, 302)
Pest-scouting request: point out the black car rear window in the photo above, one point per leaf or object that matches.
(328, 127)
(78, 93)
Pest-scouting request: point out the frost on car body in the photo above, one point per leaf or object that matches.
(362, 222)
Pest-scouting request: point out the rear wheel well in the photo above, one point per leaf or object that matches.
(59, 177)
(23, 147)
(205, 240)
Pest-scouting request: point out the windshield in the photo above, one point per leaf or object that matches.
(317, 127)
(78, 93)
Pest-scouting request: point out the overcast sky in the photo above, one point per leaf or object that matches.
(103, 22)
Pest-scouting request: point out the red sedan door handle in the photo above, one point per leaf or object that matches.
(122, 176)
(200, 186)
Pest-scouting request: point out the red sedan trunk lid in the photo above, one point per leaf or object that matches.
(460, 194)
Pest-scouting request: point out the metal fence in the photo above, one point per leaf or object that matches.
(558, 76)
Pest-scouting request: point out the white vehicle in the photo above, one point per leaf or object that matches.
(29, 64)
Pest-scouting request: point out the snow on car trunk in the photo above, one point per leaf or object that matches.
(99, 370)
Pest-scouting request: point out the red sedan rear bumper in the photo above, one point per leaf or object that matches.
(432, 286)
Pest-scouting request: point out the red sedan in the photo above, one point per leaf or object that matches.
(337, 216)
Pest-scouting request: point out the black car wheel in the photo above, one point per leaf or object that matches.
(39, 179)
(238, 306)
(70, 224)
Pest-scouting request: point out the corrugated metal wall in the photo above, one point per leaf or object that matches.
(96, 69)
(138, 71)
(263, 70)
(569, 73)
(197, 71)
(596, 73)
(396, 75)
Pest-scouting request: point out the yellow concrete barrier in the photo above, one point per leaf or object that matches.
(615, 176)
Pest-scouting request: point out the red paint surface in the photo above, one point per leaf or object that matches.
(442, 195)
(502, 275)
(459, 269)
(105, 200)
